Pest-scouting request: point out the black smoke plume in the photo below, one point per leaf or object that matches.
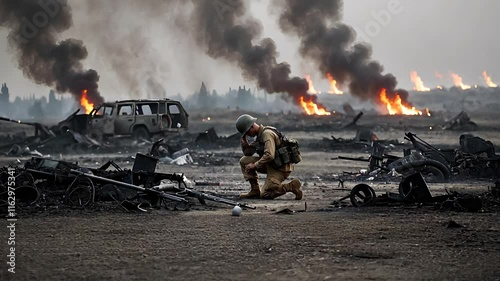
(223, 31)
(331, 45)
(34, 26)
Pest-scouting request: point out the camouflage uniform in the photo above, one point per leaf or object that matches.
(265, 146)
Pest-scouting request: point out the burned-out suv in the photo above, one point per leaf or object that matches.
(137, 118)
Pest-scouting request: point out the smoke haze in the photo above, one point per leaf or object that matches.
(228, 33)
(170, 56)
(330, 44)
(33, 36)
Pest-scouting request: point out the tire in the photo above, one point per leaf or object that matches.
(426, 165)
(432, 174)
(141, 133)
(362, 195)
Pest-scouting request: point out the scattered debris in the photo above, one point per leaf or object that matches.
(285, 211)
(46, 182)
(354, 120)
(209, 138)
(475, 158)
(364, 139)
(413, 190)
(348, 110)
(461, 122)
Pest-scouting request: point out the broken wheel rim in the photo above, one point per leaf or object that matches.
(432, 174)
(362, 195)
(81, 192)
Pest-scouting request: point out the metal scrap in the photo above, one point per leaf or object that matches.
(42, 182)
(460, 122)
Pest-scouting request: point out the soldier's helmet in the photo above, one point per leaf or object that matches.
(244, 123)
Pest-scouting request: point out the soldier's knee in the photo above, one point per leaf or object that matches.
(245, 160)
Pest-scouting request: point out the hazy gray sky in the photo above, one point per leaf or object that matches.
(447, 36)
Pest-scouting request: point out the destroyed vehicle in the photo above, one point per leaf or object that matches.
(137, 118)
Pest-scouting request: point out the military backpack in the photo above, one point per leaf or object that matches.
(287, 152)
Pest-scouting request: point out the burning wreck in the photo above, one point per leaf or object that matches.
(140, 119)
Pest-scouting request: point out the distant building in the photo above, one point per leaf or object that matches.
(4, 100)
(4, 94)
(203, 96)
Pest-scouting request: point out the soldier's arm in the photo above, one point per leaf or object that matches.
(248, 149)
(269, 149)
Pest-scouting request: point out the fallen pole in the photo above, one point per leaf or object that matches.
(351, 159)
(134, 187)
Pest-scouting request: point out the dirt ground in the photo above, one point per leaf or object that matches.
(350, 244)
(322, 243)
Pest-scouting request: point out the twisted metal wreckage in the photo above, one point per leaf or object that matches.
(46, 181)
(476, 158)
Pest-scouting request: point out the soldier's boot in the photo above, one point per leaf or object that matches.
(273, 192)
(254, 190)
(294, 187)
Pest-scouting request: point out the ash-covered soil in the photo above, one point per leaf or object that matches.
(316, 242)
(349, 244)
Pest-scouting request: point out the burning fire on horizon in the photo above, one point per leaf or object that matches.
(395, 105)
(331, 81)
(311, 108)
(488, 81)
(85, 103)
(457, 80)
(333, 85)
(418, 83)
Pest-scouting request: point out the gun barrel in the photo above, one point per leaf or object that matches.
(204, 196)
(131, 186)
(225, 201)
(17, 121)
(353, 159)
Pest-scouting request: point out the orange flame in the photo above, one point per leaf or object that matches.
(84, 102)
(439, 87)
(417, 81)
(312, 109)
(488, 80)
(458, 82)
(396, 106)
(311, 90)
(333, 85)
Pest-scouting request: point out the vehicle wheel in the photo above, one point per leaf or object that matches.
(81, 192)
(362, 195)
(414, 189)
(433, 171)
(141, 133)
(432, 174)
